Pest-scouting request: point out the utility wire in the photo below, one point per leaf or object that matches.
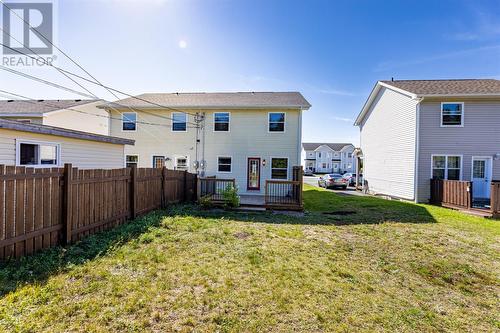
(37, 102)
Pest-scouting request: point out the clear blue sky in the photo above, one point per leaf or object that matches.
(331, 51)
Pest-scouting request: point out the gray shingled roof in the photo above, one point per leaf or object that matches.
(38, 108)
(58, 131)
(245, 100)
(334, 146)
(448, 87)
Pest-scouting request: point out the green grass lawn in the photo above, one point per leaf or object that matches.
(350, 264)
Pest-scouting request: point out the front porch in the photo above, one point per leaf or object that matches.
(458, 195)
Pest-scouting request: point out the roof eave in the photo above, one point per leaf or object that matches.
(202, 107)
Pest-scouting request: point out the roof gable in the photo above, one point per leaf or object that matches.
(332, 146)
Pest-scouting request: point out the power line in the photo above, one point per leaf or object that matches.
(55, 85)
(36, 102)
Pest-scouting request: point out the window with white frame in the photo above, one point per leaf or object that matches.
(37, 154)
(319, 155)
(452, 114)
(179, 122)
(181, 163)
(224, 164)
(129, 121)
(446, 167)
(221, 122)
(276, 122)
(349, 155)
(131, 161)
(279, 168)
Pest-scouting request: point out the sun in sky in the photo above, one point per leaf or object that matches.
(182, 44)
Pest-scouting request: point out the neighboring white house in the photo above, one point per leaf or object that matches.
(249, 136)
(328, 157)
(41, 146)
(78, 115)
(415, 130)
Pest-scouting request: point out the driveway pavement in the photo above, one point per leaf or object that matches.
(313, 180)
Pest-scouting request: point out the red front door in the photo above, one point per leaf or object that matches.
(253, 174)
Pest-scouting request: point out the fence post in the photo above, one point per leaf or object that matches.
(163, 185)
(67, 203)
(133, 194)
(184, 199)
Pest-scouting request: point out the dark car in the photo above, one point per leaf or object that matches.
(333, 180)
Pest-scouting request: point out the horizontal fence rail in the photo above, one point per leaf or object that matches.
(41, 208)
(215, 187)
(451, 193)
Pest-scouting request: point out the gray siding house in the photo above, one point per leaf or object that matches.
(414, 130)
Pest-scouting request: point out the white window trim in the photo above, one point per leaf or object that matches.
(34, 142)
(128, 131)
(462, 118)
(157, 155)
(125, 159)
(181, 156)
(269, 122)
(172, 122)
(271, 168)
(490, 173)
(231, 165)
(229, 123)
(446, 164)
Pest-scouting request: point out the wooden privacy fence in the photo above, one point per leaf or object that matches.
(451, 193)
(41, 208)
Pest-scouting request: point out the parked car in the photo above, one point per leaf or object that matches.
(333, 180)
(308, 172)
(349, 177)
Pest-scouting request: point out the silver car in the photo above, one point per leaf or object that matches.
(333, 180)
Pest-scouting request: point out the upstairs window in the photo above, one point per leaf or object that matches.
(224, 164)
(446, 167)
(279, 168)
(179, 122)
(276, 122)
(221, 122)
(129, 121)
(37, 154)
(452, 114)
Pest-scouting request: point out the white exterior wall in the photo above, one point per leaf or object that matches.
(388, 136)
(84, 154)
(94, 120)
(248, 137)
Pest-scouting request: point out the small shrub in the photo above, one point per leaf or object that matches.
(206, 201)
(231, 197)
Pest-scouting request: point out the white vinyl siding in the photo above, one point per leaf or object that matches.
(84, 154)
(388, 136)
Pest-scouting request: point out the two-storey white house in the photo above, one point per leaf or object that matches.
(248, 136)
(413, 131)
(328, 157)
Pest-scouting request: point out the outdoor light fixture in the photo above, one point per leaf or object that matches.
(264, 162)
(496, 157)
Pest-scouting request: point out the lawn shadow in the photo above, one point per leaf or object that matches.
(39, 267)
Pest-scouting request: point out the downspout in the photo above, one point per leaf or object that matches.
(417, 150)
